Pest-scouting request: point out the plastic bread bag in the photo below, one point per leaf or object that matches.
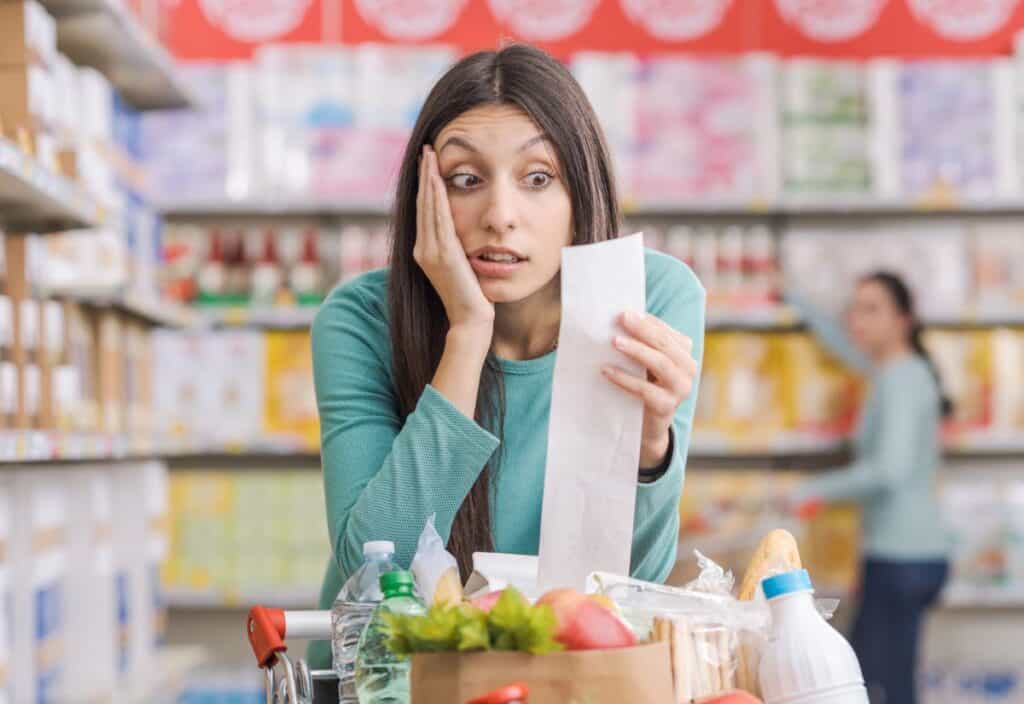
(715, 639)
(435, 569)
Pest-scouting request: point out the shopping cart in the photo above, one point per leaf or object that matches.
(287, 680)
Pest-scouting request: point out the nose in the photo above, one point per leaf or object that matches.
(500, 214)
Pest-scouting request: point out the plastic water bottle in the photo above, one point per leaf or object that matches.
(806, 661)
(381, 678)
(352, 610)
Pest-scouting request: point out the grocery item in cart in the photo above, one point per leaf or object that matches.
(435, 569)
(805, 659)
(380, 676)
(352, 610)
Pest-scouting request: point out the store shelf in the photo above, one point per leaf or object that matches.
(298, 598)
(166, 679)
(280, 318)
(306, 207)
(777, 317)
(712, 444)
(34, 199)
(154, 311)
(105, 35)
(983, 599)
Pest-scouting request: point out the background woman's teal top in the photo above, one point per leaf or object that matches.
(898, 452)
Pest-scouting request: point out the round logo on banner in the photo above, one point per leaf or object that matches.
(676, 20)
(254, 20)
(831, 20)
(410, 19)
(544, 20)
(964, 19)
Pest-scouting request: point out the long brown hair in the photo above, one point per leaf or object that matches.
(526, 78)
(903, 299)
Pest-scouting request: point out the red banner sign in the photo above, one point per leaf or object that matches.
(224, 29)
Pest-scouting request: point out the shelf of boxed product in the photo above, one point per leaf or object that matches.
(304, 207)
(33, 198)
(168, 676)
(19, 446)
(294, 598)
(154, 311)
(105, 35)
(267, 317)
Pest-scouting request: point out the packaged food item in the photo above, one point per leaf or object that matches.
(435, 569)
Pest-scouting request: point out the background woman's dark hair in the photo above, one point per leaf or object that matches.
(526, 78)
(904, 301)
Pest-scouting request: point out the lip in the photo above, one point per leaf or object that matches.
(496, 270)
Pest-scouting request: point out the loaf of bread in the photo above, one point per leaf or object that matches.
(777, 552)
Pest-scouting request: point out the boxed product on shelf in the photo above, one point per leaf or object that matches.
(965, 364)
(28, 34)
(977, 517)
(178, 384)
(110, 384)
(694, 134)
(826, 132)
(27, 109)
(6, 578)
(238, 536)
(204, 154)
(740, 387)
(950, 143)
(39, 549)
(91, 608)
(1008, 375)
(823, 261)
(235, 369)
(78, 407)
(819, 396)
(997, 270)
(290, 409)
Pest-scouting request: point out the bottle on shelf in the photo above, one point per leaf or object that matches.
(381, 678)
(213, 272)
(266, 275)
(305, 279)
(237, 269)
(352, 610)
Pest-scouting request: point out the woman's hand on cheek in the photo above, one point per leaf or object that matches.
(440, 254)
(671, 371)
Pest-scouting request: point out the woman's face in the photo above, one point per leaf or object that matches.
(509, 201)
(875, 322)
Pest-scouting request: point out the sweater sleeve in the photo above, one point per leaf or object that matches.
(382, 478)
(679, 301)
(892, 461)
(831, 333)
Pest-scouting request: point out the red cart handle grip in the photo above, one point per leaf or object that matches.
(266, 630)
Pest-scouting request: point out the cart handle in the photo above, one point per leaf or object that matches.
(265, 629)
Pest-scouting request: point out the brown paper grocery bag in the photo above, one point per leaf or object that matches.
(639, 675)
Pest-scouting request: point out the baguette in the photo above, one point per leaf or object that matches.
(777, 551)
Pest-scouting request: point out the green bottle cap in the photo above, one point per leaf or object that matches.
(397, 583)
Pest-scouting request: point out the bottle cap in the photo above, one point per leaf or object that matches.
(375, 547)
(787, 583)
(396, 583)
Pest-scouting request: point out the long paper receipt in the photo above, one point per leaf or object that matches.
(594, 433)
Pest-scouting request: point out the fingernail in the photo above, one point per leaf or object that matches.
(619, 341)
(607, 371)
(631, 317)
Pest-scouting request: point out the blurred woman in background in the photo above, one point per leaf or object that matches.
(897, 456)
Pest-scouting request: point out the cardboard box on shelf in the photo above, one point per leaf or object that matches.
(110, 349)
(28, 34)
(26, 100)
(76, 384)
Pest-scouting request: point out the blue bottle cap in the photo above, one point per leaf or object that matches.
(787, 583)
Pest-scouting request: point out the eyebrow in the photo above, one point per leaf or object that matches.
(456, 141)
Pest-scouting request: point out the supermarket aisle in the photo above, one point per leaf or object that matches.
(159, 439)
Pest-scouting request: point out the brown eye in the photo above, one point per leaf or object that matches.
(538, 179)
(463, 181)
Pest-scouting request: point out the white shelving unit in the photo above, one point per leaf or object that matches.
(154, 311)
(105, 35)
(33, 197)
(180, 598)
(280, 318)
(270, 206)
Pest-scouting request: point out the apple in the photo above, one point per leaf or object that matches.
(563, 602)
(593, 627)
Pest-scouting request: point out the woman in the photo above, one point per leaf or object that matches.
(898, 454)
(433, 378)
